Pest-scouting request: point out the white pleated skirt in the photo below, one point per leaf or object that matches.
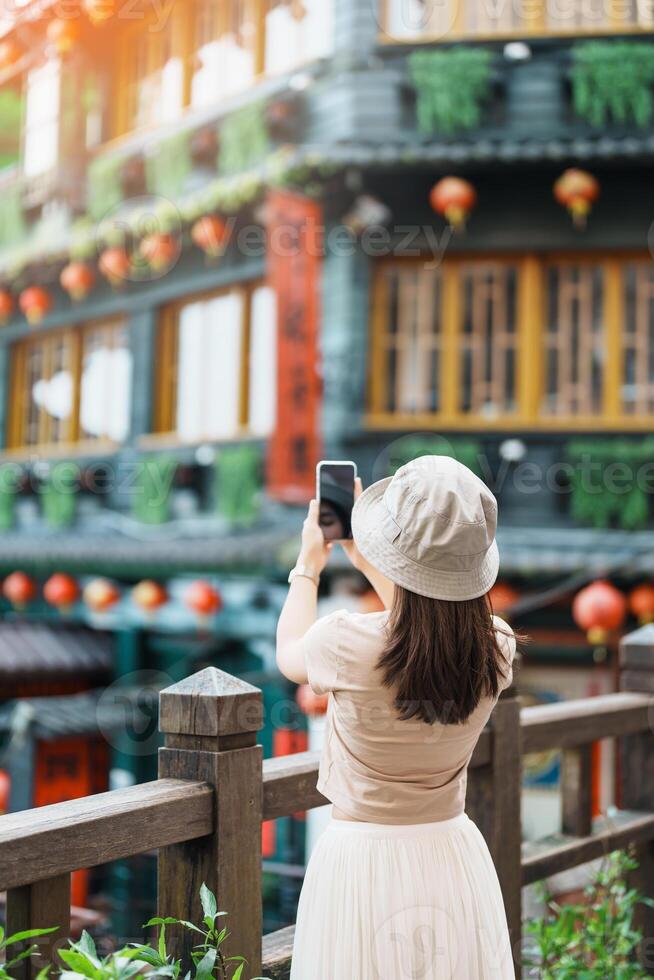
(417, 902)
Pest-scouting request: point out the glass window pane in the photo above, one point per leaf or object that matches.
(41, 139)
(638, 339)
(574, 339)
(488, 339)
(262, 398)
(106, 383)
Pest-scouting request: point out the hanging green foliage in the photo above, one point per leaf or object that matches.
(13, 226)
(451, 87)
(609, 482)
(238, 484)
(11, 114)
(244, 139)
(406, 448)
(8, 491)
(152, 486)
(104, 186)
(59, 495)
(169, 166)
(612, 82)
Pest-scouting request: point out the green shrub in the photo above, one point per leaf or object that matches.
(612, 82)
(594, 940)
(450, 88)
(605, 483)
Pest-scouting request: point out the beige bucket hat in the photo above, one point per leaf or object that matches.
(431, 529)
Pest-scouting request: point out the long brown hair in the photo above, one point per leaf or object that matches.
(441, 657)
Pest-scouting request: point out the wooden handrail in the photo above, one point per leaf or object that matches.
(60, 838)
(569, 723)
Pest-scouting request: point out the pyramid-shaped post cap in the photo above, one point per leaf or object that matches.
(210, 702)
(637, 649)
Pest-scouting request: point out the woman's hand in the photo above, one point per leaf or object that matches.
(314, 551)
(348, 546)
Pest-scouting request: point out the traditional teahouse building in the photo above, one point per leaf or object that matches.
(239, 235)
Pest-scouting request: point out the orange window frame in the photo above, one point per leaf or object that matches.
(167, 356)
(20, 396)
(531, 303)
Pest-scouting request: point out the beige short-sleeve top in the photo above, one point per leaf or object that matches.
(375, 766)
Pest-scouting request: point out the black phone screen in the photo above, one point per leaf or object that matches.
(336, 499)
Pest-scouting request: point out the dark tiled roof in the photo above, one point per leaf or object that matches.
(76, 714)
(39, 650)
(552, 550)
(481, 148)
(103, 553)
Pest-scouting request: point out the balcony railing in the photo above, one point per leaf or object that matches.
(204, 813)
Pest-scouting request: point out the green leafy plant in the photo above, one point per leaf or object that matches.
(595, 939)
(13, 226)
(605, 485)
(612, 82)
(169, 165)
(153, 482)
(12, 957)
(104, 186)
(406, 448)
(208, 959)
(450, 88)
(238, 483)
(11, 114)
(244, 139)
(59, 495)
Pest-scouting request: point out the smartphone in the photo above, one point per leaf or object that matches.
(335, 493)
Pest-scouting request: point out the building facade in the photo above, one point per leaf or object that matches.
(222, 257)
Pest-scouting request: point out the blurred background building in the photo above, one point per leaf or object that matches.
(237, 236)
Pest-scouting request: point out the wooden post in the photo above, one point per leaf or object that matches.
(577, 790)
(494, 803)
(637, 770)
(42, 905)
(210, 721)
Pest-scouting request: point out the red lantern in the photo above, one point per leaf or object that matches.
(203, 599)
(455, 198)
(115, 265)
(309, 703)
(35, 303)
(6, 305)
(10, 54)
(210, 234)
(100, 595)
(159, 251)
(599, 609)
(19, 589)
(503, 598)
(577, 190)
(5, 791)
(64, 35)
(61, 591)
(99, 10)
(149, 596)
(78, 279)
(641, 603)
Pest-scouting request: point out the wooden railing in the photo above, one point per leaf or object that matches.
(204, 813)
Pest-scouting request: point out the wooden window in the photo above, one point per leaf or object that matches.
(424, 20)
(574, 339)
(62, 382)
(408, 310)
(106, 382)
(154, 90)
(638, 339)
(488, 339)
(41, 127)
(218, 365)
(225, 49)
(296, 31)
(536, 341)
